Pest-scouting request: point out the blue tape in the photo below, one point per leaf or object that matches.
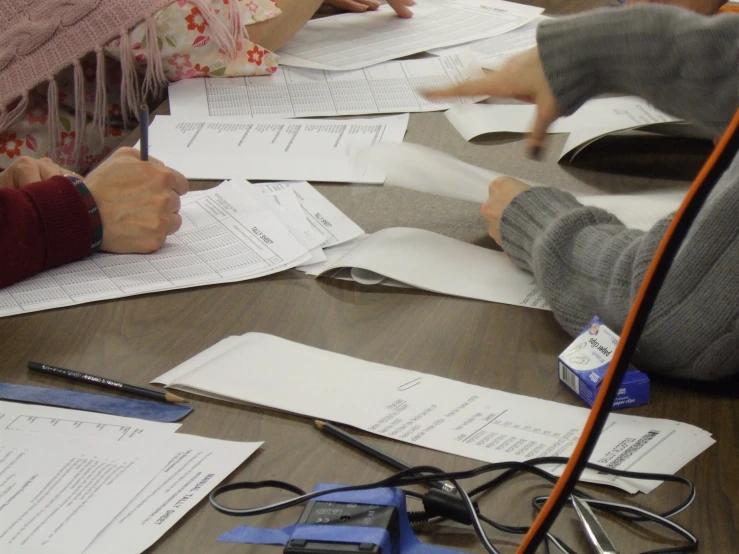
(93, 402)
(408, 543)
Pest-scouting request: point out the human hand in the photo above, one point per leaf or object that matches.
(501, 192)
(522, 78)
(138, 201)
(400, 6)
(705, 7)
(356, 6)
(26, 170)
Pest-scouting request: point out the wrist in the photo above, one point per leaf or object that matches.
(96, 224)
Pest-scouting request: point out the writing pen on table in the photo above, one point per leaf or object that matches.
(373, 452)
(102, 382)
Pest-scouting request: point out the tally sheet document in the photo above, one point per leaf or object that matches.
(113, 486)
(424, 169)
(390, 87)
(494, 52)
(429, 411)
(594, 119)
(272, 149)
(353, 41)
(233, 232)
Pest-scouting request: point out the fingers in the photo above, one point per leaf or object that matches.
(354, 5)
(401, 7)
(174, 223)
(48, 168)
(177, 181)
(487, 86)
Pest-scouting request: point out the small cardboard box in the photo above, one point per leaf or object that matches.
(584, 363)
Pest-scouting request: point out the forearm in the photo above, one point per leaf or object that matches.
(274, 33)
(682, 62)
(42, 225)
(587, 263)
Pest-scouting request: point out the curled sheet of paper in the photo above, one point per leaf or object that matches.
(424, 169)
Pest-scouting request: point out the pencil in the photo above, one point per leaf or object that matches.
(102, 382)
(144, 126)
(372, 451)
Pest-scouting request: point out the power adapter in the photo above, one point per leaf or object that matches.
(337, 514)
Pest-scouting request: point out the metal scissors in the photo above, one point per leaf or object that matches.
(594, 530)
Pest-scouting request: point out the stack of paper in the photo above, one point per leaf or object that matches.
(272, 149)
(113, 485)
(594, 119)
(430, 411)
(233, 232)
(352, 41)
(390, 87)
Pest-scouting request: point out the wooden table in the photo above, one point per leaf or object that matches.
(498, 346)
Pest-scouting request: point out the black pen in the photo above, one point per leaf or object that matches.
(372, 451)
(144, 127)
(102, 382)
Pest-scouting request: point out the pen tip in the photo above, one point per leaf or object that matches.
(320, 424)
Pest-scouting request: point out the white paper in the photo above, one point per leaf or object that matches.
(57, 504)
(226, 235)
(196, 465)
(392, 87)
(605, 114)
(48, 420)
(493, 52)
(326, 220)
(436, 263)
(272, 149)
(433, 412)
(352, 41)
(423, 169)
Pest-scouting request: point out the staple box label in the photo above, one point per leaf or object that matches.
(583, 365)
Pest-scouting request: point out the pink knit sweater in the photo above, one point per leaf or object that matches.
(39, 38)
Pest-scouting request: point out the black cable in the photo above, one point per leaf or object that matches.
(469, 513)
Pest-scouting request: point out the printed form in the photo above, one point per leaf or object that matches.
(114, 485)
(353, 41)
(58, 504)
(228, 234)
(430, 411)
(494, 52)
(391, 87)
(272, 149)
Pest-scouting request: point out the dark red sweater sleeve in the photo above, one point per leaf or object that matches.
(42, 225)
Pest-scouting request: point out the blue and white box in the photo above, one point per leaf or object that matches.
(583, 365)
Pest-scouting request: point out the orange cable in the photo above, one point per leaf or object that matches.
(598, 405)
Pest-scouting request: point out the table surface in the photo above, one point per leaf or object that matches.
(504, 347)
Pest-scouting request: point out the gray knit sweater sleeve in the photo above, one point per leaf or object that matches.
(683, 63)
(584, 259)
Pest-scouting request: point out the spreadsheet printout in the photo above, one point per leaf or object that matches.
(493, 52)
(352, 41)
(227, 235)
(391, 87)
(272, 149)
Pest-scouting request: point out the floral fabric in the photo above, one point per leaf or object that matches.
(187, 49)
